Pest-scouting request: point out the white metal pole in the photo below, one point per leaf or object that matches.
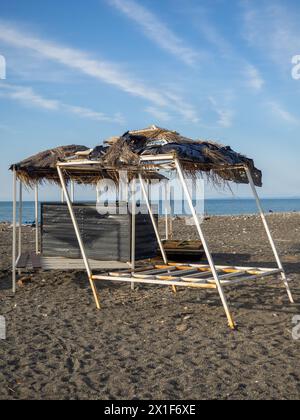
(36, 218)
(97, 193)
(72, 191)
(123, 186)
(20, 217)
(167, 208)
(133, 226)
(163, 252)
(127, 193)
(270, 237)
(150, 191)
(14, 248)
(147, 183)
(78, 235)
(205, 245)
(62, 199)
(171, 213)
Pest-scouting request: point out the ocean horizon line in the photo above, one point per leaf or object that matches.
(211, 207)
(233, 198)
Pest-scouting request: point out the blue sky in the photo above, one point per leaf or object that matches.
(83, 71)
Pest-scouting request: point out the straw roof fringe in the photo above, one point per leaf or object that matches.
(42, 166)
(219, 163)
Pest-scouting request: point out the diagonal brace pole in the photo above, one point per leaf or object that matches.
(270, 237)
(205, 245)
(78, 235)
(161, 247)
(14, 246)
(133, 228)
(36, 199)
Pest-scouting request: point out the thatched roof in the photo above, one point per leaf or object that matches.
(219, 162)
(42, 166)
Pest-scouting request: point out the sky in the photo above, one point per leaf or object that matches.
(80, 72)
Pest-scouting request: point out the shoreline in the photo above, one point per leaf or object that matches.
(182, 217)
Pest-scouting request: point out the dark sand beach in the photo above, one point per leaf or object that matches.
(150, 343)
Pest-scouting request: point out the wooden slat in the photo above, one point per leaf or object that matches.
(231, 270)
(226, 267)
(155, 281)
(210, 279)
(130, 271)
(184, 268)
(230, 282)
(198, 280)
(177, 274)
(229, 275)
(153, 273)
(199, 275)
(185, 252)
(161, 266)
(178, 267)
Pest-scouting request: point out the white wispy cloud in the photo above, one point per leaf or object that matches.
(158, 113)
(79, 60)
(225, 115)
(179, 104)
(155, 29)
(250, 73)
(27, 96)
(280, 112)
(104, 71)
(272, 28)
(254, 79)
(213, 36)
(211, 33)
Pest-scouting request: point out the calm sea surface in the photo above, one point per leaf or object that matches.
(212, 207)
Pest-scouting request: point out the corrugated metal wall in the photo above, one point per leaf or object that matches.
(107, 237)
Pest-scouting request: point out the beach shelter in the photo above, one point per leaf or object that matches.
(55, 246)
(155, 150)
(160, 149)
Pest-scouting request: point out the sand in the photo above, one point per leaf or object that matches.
(150, 343)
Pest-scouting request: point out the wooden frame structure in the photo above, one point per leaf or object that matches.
(208, 276)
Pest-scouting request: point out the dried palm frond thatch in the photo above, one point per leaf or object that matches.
(42, 166)
(220, 163)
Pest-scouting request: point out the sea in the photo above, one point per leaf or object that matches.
(213, 207)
